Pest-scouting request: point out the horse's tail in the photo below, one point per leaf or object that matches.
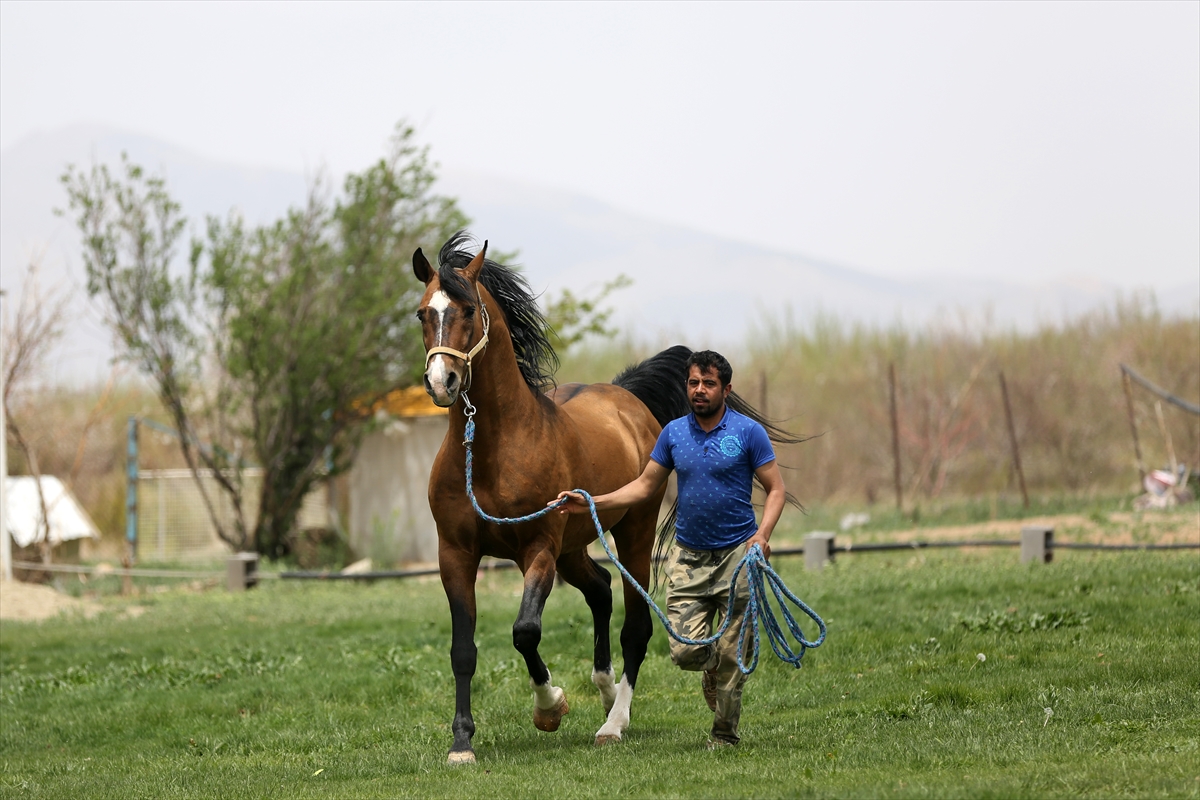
(660, 383)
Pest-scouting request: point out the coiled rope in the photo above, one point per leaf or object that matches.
(759, 575)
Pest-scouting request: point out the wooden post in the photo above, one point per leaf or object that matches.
(1137, 445)
(1012, 439)
(126, 578)
(895, 435)
(818, 550)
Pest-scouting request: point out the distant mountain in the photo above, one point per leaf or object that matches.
(30, 191)
(710, 290)
(688, 286)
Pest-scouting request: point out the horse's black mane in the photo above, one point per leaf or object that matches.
(526, 323)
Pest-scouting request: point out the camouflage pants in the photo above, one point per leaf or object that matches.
(697, 598)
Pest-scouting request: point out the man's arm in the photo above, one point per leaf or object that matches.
(772, 480)
(632, 493)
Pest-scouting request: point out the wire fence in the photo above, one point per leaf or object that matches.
(174, 524)
(873, 547)
(490, 564)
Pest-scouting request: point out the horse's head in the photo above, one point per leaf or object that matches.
(454, 323)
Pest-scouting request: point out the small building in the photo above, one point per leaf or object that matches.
(388, 486)
(68, 524)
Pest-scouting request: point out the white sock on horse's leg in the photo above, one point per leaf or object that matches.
(607, 684)
(618, 717)
(547, 695)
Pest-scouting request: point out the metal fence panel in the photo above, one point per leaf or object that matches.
(174, 525)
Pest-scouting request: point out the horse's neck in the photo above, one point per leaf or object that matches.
(498, 391)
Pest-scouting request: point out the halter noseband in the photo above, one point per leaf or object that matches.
(479, 347)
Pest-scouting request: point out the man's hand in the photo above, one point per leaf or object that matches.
(632, 493)
(761, 541)
(576, 504)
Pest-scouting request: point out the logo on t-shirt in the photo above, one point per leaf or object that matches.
(730, 446)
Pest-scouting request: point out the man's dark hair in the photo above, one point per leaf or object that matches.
(710, 359)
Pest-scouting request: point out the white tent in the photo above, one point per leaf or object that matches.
(23, 514)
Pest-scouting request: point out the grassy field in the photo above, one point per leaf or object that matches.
(1090, 687)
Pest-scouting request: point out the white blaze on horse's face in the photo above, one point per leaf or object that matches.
(437, 371)
(445, 323)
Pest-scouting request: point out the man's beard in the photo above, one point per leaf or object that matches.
(714, 408)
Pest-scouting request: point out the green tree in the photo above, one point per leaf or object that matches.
(271, 345)
(572, 318)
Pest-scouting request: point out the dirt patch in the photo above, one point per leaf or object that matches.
(27, 602)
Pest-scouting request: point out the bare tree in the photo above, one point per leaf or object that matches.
(37, 328)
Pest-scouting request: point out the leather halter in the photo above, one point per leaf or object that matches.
(478, 349)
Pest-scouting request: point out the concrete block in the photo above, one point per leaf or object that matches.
(1037, 544)
(241, 571)
(818, 549)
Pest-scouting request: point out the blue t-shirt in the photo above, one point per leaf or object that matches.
(715, 472)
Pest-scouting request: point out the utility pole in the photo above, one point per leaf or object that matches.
(6, 573)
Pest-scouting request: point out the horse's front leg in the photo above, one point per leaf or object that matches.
(458, 569)
(549, 701)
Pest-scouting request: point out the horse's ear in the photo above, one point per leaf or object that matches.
(472, 270)
(421, 267)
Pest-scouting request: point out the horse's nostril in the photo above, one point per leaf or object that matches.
(428, 385)
(451, 382)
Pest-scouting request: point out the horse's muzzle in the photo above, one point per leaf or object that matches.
(442, 384)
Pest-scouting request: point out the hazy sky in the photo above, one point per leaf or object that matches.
(1009, 140)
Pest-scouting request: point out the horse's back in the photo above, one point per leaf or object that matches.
(608, 418)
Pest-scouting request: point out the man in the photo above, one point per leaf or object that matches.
(716, 452)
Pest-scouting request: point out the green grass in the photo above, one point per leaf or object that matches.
(955, 510)
(337, 690)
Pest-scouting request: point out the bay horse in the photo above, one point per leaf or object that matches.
(486, 344)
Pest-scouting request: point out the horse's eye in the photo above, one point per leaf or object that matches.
(421, 314)
(469, 311)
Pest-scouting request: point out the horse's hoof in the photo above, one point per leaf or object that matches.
(607, 738)
(458, 757)
(548, 719)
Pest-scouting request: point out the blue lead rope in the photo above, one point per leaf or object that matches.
(759, 574)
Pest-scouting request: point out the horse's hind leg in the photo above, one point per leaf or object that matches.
(579, 570)
(635, 540)
(549, 701)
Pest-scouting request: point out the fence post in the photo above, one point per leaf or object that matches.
(895, 434)
(1012, 439)
(818, 550)
(1037, 544)
(241, 571)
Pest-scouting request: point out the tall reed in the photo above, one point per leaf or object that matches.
(828, 377)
